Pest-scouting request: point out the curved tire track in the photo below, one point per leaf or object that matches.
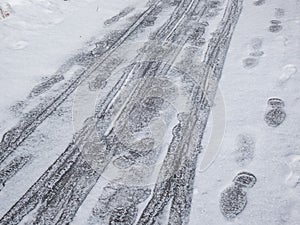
(15, 136)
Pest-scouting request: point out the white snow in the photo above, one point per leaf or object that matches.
(245, 92)
(40, 35)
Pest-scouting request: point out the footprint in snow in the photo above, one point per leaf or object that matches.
(275, 26)
(276, 115)
(255, 53)
(249, 63)
(233, 199)
(255, 47)
(245, 147)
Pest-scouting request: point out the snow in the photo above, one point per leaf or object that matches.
(245, 93)
(40, 35)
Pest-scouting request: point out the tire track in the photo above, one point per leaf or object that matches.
(15, 136)
(178, 189)
(12, 168)
(59, 178)
(67, 167)
(162, 194)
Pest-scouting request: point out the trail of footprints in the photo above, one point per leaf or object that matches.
(233, 199)
(256, 43)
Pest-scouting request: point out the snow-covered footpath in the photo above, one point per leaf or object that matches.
(275, 155)
(263, 62)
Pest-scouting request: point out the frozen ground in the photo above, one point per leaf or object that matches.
(149, 112)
